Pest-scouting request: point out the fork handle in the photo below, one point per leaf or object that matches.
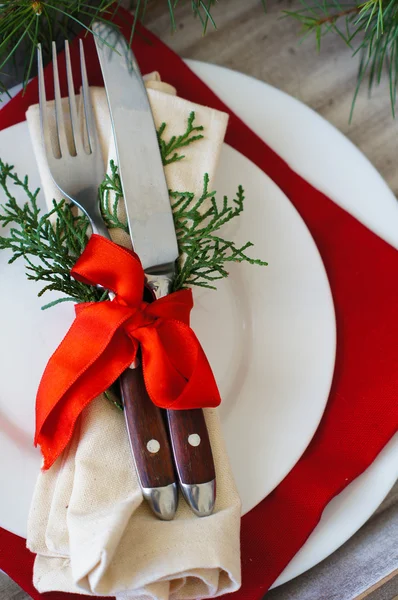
(149, 444)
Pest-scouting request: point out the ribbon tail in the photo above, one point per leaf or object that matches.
(94, 352)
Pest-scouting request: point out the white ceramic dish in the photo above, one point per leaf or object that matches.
(326, 158)
(266, 332)
(311, 145)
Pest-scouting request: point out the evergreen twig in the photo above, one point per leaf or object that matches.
(110, 194)
(168, 149)
(369, 28)
(26, 23)
(204, 253)
(30, 22)
(51, 244)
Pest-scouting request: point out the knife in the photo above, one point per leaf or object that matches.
(154, 239)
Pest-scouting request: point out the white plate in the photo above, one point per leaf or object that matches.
(321, 154)
(269, 334)
(311, 145)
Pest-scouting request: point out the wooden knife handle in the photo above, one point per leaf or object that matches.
(191, 446)
(147, 432)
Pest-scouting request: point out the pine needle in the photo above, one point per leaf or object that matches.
(26, 23)
(370, 30)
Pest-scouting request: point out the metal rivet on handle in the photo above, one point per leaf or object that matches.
(153, 446)
(194, 439)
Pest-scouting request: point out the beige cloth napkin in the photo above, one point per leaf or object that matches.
(88, 524)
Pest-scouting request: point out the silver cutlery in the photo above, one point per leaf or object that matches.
(154, 239)
(77, 168)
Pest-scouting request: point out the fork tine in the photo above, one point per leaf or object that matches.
(72, 102)
(88, 109)
(59, 115)
(45, 131)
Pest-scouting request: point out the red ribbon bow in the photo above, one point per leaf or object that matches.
(103, 341)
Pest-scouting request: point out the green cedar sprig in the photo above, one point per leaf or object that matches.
(110, 194)
(51, 243)
(205, 254)
(168, 149)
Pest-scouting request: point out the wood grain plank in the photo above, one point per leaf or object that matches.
(267, 47)
(377, 588)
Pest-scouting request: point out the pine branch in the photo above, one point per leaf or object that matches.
(201, 9)
(321, 18)
(369, 28)
(26, 23)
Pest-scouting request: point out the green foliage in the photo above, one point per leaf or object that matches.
(205, 254)
(369, 28)
(25, 23)
(50, 244)
(168, 149)
(200, 9)
(110, 194)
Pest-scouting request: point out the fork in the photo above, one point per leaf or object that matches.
(77, 168)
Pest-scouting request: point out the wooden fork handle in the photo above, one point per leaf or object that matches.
(149, 444)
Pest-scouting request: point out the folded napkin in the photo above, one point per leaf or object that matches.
(88, 524)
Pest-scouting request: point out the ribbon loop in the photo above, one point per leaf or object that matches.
(103, 341)
(115, 268)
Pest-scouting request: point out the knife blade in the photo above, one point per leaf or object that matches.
(153, 235)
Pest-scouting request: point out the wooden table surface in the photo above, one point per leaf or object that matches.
(267, 46)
